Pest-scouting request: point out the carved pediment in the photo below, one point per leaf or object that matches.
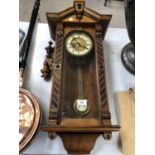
(78, 14)
(87, 14)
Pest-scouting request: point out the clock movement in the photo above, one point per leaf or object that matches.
(79, 110)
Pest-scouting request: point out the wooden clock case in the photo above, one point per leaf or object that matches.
(78, 133)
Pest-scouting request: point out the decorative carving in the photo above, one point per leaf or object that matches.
(98, 30)
(105, 113)
(79, 7)
(49, 50)
(56, 91)
(46, 72)
(48, 63)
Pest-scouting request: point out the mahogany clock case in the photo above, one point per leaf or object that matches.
(78, 132)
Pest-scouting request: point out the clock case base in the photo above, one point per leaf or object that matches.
(78, 133)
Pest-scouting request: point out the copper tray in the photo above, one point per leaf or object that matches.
(29, 117)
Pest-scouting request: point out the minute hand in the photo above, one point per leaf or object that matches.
(85, 47)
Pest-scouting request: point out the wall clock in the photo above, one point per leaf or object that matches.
(79, 110)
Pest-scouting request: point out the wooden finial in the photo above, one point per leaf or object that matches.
(79, 7)
(79, 0)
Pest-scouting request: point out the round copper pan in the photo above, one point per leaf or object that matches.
(29, 117)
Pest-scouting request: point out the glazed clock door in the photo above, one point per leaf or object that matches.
(79, 84)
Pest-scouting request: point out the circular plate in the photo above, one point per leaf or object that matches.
(29, 117)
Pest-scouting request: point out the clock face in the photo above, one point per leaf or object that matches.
(78, 44)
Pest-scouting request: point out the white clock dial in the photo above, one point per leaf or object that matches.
(78, 44)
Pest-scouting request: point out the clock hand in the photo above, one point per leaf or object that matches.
(79, 44)
(85, 47)
(76, 42)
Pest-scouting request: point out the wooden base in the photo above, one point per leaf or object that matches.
(79, 140)
(78, 143)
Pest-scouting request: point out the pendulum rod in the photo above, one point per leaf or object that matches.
(80, 83)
